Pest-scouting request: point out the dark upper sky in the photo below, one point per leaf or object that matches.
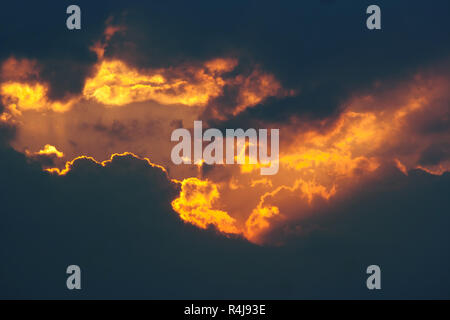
(322, 47)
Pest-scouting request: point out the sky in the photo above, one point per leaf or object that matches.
(86, 118)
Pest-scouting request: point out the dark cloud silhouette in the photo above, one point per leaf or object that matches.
(115, 222)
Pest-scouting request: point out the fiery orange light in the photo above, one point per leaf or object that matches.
(19, 97)
(69, 164)
(315, 164)
(117, 84)
(195, 205)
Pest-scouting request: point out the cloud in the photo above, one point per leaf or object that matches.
(364, 163)
(195, 203)
(118, 215)
(7, 128)
(304, 46)
(192, 87)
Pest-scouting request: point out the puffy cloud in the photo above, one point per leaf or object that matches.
(195, 203)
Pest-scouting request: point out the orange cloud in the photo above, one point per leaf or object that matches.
(18, 97)
(117, 84)
(256, 88)
(259, 221)
(51, 150)
(195, 205)
(99, 46)
(20, 89)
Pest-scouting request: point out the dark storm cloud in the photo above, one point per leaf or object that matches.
(322, 49)
(116, 223)
(435, 154)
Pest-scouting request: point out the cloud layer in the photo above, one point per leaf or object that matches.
(85, 124)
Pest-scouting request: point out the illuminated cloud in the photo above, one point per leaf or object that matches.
(364, 146)
(99, 46)
(372, 131)
(51, 150)
(47, 157)
(256, 88)
(23, 90)
(195, 205)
